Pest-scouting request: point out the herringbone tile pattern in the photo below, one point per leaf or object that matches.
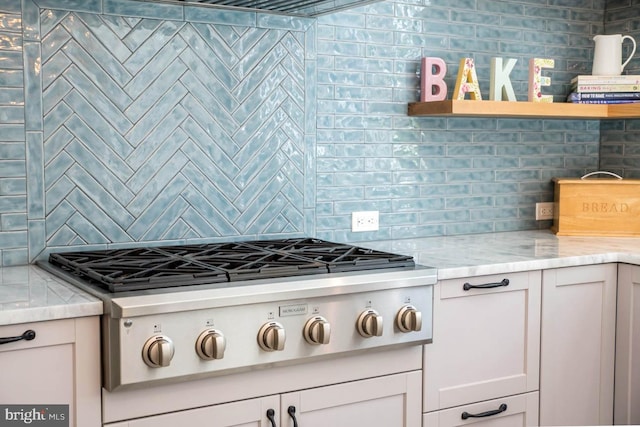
(160, 130)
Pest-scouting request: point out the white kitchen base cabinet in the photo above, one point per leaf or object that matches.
(513, 411)
(627, 375)
(389, 401)
(486, 340)
(377, 389)
(578, 345)
(61, 366)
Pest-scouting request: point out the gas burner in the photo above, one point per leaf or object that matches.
(120, 270)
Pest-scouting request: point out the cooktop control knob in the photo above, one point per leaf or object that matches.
(158, 351)
(409, 319)
(369, 324)
(317, 330)
(271, 337)
(211, 344)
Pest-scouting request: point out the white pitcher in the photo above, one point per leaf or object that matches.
(607, 56)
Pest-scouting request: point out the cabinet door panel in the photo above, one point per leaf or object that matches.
(521, 411)
(486, 341)
(246, 413)
(627, 375)
(578, 345)
(391, 401)
(39, 376)
(61, 365)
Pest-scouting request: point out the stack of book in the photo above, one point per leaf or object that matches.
(605, 89)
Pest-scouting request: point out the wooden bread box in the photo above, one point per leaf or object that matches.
(596, 207)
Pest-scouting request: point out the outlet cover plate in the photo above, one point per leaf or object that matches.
(364, 221)
(544, 210)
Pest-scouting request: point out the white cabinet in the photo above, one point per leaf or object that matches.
(514, 411)
(367, 384)
(388, 401)
(627, 372)
(486, 340)
(391, 401)
(577, 346)
(61, 365)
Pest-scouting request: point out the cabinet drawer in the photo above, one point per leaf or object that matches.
(519, 411)
(486, 341)
(47, 333)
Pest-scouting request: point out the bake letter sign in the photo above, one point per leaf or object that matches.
(467, 81)
(434, 88)
(536, 80)
(432, 84)
(499, 82)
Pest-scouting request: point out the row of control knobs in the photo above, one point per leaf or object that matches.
(211, 343)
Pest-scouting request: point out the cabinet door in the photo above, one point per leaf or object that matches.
(627, 376)
(61, 365)
(245, 413)
(518, 411)
(578, 344)
(390, 401)
(486, 341)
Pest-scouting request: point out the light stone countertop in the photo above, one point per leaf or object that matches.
(498, 253)
(30, 294)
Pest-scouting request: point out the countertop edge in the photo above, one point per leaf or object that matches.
(545, 264)
(56, 312)
(30, 294)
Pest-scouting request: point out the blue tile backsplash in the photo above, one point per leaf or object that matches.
(125, 123)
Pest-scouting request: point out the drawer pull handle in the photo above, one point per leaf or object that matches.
(271, 416)
(28, 335)
(500, 409)
(292, 413)
(504, 282)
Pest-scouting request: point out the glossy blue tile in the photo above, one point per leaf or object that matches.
(143, 9)
(13, 239)
(12, 257)
(13, 186)
(283, 22)
(220, 16)
(13, 222)
(35, 175)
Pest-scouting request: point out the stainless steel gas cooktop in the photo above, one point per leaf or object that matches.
(175, 313)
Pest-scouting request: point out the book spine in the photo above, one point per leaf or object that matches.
(606, 101)
(606, 88)
(606, 80)
(603, 95)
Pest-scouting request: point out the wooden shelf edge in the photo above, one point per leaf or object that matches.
(555, 110)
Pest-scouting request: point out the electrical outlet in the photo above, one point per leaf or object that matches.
(544, 210)
(364, 221)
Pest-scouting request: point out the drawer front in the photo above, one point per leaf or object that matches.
(486, 341)
(46, 334)
(513, 411)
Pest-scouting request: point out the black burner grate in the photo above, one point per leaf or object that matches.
(159, 267)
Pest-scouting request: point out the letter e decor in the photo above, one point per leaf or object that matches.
(536, 80)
